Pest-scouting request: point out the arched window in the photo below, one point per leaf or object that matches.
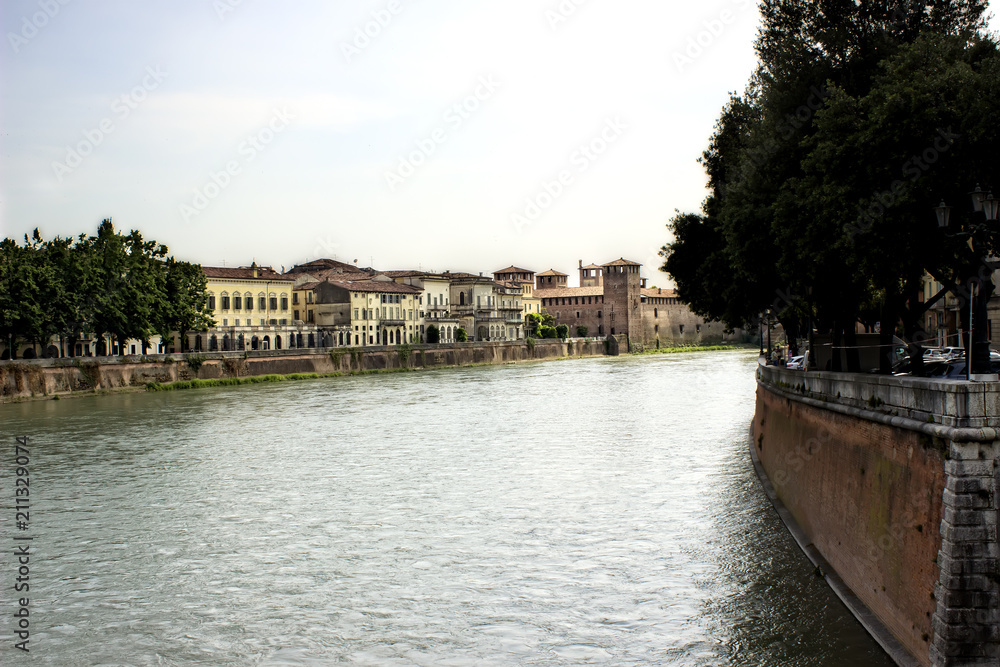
(254, 343)
(266, 343)
(277, 342)
(213, 343)
(312, 340)
(197, 343)
(656, 312)
(225, 343)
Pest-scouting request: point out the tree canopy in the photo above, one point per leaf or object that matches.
(859, 119)
(110, 283)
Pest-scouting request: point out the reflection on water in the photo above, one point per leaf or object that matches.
(588, 511)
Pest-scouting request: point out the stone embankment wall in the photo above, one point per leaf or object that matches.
(53, 377)
(891, 484)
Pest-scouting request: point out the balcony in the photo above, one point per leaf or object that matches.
(391, 323)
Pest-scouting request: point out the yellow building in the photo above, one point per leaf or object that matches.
(251, 308)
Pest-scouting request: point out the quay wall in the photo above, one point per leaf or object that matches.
(54, 377)
(889, 485)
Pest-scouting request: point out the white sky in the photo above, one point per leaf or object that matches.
(333, 114)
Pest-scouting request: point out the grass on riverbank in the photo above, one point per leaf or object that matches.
(259, 379)
(696, 348)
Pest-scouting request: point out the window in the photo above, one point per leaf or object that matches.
(249, 302)
(237, 302)
(225, 322)
(263, 303)
(295, 298)
(697, 328)
(211, 303)
(311, 316)
(274, 303)
(295, 314)
(284, 302)
(225, 303)
(599, 315)
(237, 323)
(656, 312)
(578, 314)
(680, 327)
(355, 313)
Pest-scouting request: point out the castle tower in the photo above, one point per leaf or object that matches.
(590, 275)
(622, 298)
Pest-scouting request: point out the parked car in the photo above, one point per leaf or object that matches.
(797, 363)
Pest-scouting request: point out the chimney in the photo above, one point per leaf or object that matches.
(580, 262)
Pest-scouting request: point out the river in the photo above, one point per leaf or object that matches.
(570, 512)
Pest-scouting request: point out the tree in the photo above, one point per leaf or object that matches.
(582, 331)
(845, 96)
(460, 335)
(433, 334)
(562, 331)
(545, 331)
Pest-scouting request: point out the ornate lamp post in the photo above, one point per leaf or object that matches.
(977, 353)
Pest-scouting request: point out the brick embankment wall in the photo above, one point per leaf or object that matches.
(903, 511)
(53, 377)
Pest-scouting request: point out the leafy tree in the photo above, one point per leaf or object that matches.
(460, 335)
(582, 331)
(562, 331)
(845, 95)
(545, 331)
(433, 334)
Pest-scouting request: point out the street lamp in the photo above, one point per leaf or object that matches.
(977, 356)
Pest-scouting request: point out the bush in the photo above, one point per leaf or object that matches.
(562, 331)
(581, 331)
(460, 335)
(433, 334)
(546, 331)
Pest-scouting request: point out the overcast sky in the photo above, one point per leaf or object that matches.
(433, 134)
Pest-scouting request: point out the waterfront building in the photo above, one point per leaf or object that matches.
(613, 300)
(251, 307)
(526, 280)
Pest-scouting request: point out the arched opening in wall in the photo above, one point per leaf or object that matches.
(656, 312)
(226, 343)
(680, 328)
(241, 343)
(277, 342)
(461, 298)
(600, 329)
(213, 343)
(392, 336)
(266, 343)
(340, 338)
(254, 343)
(312, 340)
(298, 340)
(197, 343)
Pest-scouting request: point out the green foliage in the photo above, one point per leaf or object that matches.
(582, 331)
(545, 331)
(461, 336)
(403, 351)
(433, 334)
(562, 331)
(530, 342)
(823, 173)
(195, 361)
(110, 283)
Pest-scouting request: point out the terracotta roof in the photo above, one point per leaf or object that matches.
(622, 262)
(376, 286)
(568, 292)
(591, 266)
(308, 286)
(317, 264)
(244, 273)
(551, 272)
(658, 291)
(513, 269)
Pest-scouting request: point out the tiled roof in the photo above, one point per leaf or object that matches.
(623, 262)
(551, 272)
(510, 284)
(386, 287)
(591, 266)
(568, 292)
(659, 291)
(318, 264)
(513, 269)
(244, 273)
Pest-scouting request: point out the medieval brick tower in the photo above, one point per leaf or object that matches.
(622, 299)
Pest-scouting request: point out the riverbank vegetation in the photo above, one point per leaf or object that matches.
(111, 283)
(824, 174)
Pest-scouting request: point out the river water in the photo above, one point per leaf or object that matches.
(572, 512)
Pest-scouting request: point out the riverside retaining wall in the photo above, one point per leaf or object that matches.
(53, 377)
(891, 486)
